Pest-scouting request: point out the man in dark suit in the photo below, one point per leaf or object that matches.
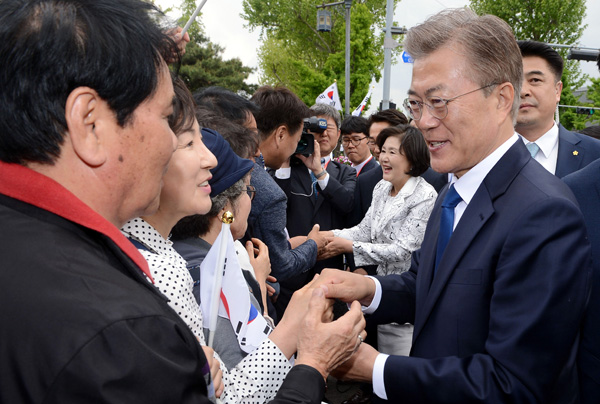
(355, 141)
(319, 191)
(560, 151)
(586, 187)
(498, 290)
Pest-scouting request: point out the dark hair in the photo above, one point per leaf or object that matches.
(591, 131)
(243, 141)
(278, 106)
(355, 124)
(198, 225)
(412, 146)
(49, 48)
(226, 103)
(391, 116)
(183, 117)
(546, 52)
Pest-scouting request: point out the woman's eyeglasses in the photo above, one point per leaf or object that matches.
(251, 191)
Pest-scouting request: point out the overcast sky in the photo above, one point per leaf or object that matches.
(223, 24)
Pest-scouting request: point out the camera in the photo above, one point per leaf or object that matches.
(306, 145)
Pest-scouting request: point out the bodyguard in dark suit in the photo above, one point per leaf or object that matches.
(560, 151)
(586, 187)
(498, 290)
(319, 191)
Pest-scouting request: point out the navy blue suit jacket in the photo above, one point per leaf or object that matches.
(586, 187)
(500, 321)
(575, 151)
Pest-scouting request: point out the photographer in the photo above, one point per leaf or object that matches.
(319, 190)
(279, 121)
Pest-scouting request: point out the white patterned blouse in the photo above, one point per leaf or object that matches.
(257, 378)
(393, 227)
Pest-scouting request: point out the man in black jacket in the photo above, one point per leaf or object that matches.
(84, 142)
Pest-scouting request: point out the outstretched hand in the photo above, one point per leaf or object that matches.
(346, 286)
(326, 345)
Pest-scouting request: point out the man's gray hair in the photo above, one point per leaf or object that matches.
(328, 111)
(486, 41)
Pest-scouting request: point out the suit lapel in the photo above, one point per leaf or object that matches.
(570, 155)
(478, 212)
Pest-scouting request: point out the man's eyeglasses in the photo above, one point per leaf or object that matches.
(251, 191)
(438, 107)
(355, 142)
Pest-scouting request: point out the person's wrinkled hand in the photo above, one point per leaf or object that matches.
(360, 365)
(215, 370)
(334, 247)
(346, 286)
(326, 345)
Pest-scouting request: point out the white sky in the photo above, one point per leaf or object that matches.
(223, 24)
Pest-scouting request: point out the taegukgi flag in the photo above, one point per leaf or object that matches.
(330, 97)
(249, 325)
(358, 111)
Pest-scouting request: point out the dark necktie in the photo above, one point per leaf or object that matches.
(451, 199)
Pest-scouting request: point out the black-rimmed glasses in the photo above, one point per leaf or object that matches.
(438, 106)
(355, 142)
(251, 191)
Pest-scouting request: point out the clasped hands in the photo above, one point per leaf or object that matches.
(327, 345)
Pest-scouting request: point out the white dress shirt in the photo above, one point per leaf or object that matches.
(548, 144)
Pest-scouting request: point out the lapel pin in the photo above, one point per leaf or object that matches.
(575, 153)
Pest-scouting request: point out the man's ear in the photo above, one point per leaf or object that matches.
(559, 88)
(505, 96)
(280, 134)
(83, 110)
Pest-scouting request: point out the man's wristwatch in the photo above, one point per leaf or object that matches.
(321, 174)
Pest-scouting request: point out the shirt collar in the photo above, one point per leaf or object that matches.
(26, 185)
(467, 185)
(359, 166)
(547, 142)
(143, 232)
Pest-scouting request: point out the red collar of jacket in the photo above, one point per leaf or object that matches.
(24, 184)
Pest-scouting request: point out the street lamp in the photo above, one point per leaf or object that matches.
(327, 28)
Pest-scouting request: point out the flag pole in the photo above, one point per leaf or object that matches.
(193, 17)
(227, 219)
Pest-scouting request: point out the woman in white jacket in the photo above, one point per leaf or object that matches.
(394, 225)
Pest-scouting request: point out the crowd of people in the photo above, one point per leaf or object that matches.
(453, 259)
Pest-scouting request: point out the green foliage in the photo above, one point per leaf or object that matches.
(295, 54)
(550, 21)
(203, 64)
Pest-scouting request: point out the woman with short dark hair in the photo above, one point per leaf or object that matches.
(394, 225)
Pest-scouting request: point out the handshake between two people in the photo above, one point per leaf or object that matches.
(327, 345)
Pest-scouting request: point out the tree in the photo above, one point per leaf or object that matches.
(203, 64)
(293, 53)
(550, 21)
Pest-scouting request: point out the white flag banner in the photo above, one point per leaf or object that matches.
(358, 111)
(249, 325)
(330, 97)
